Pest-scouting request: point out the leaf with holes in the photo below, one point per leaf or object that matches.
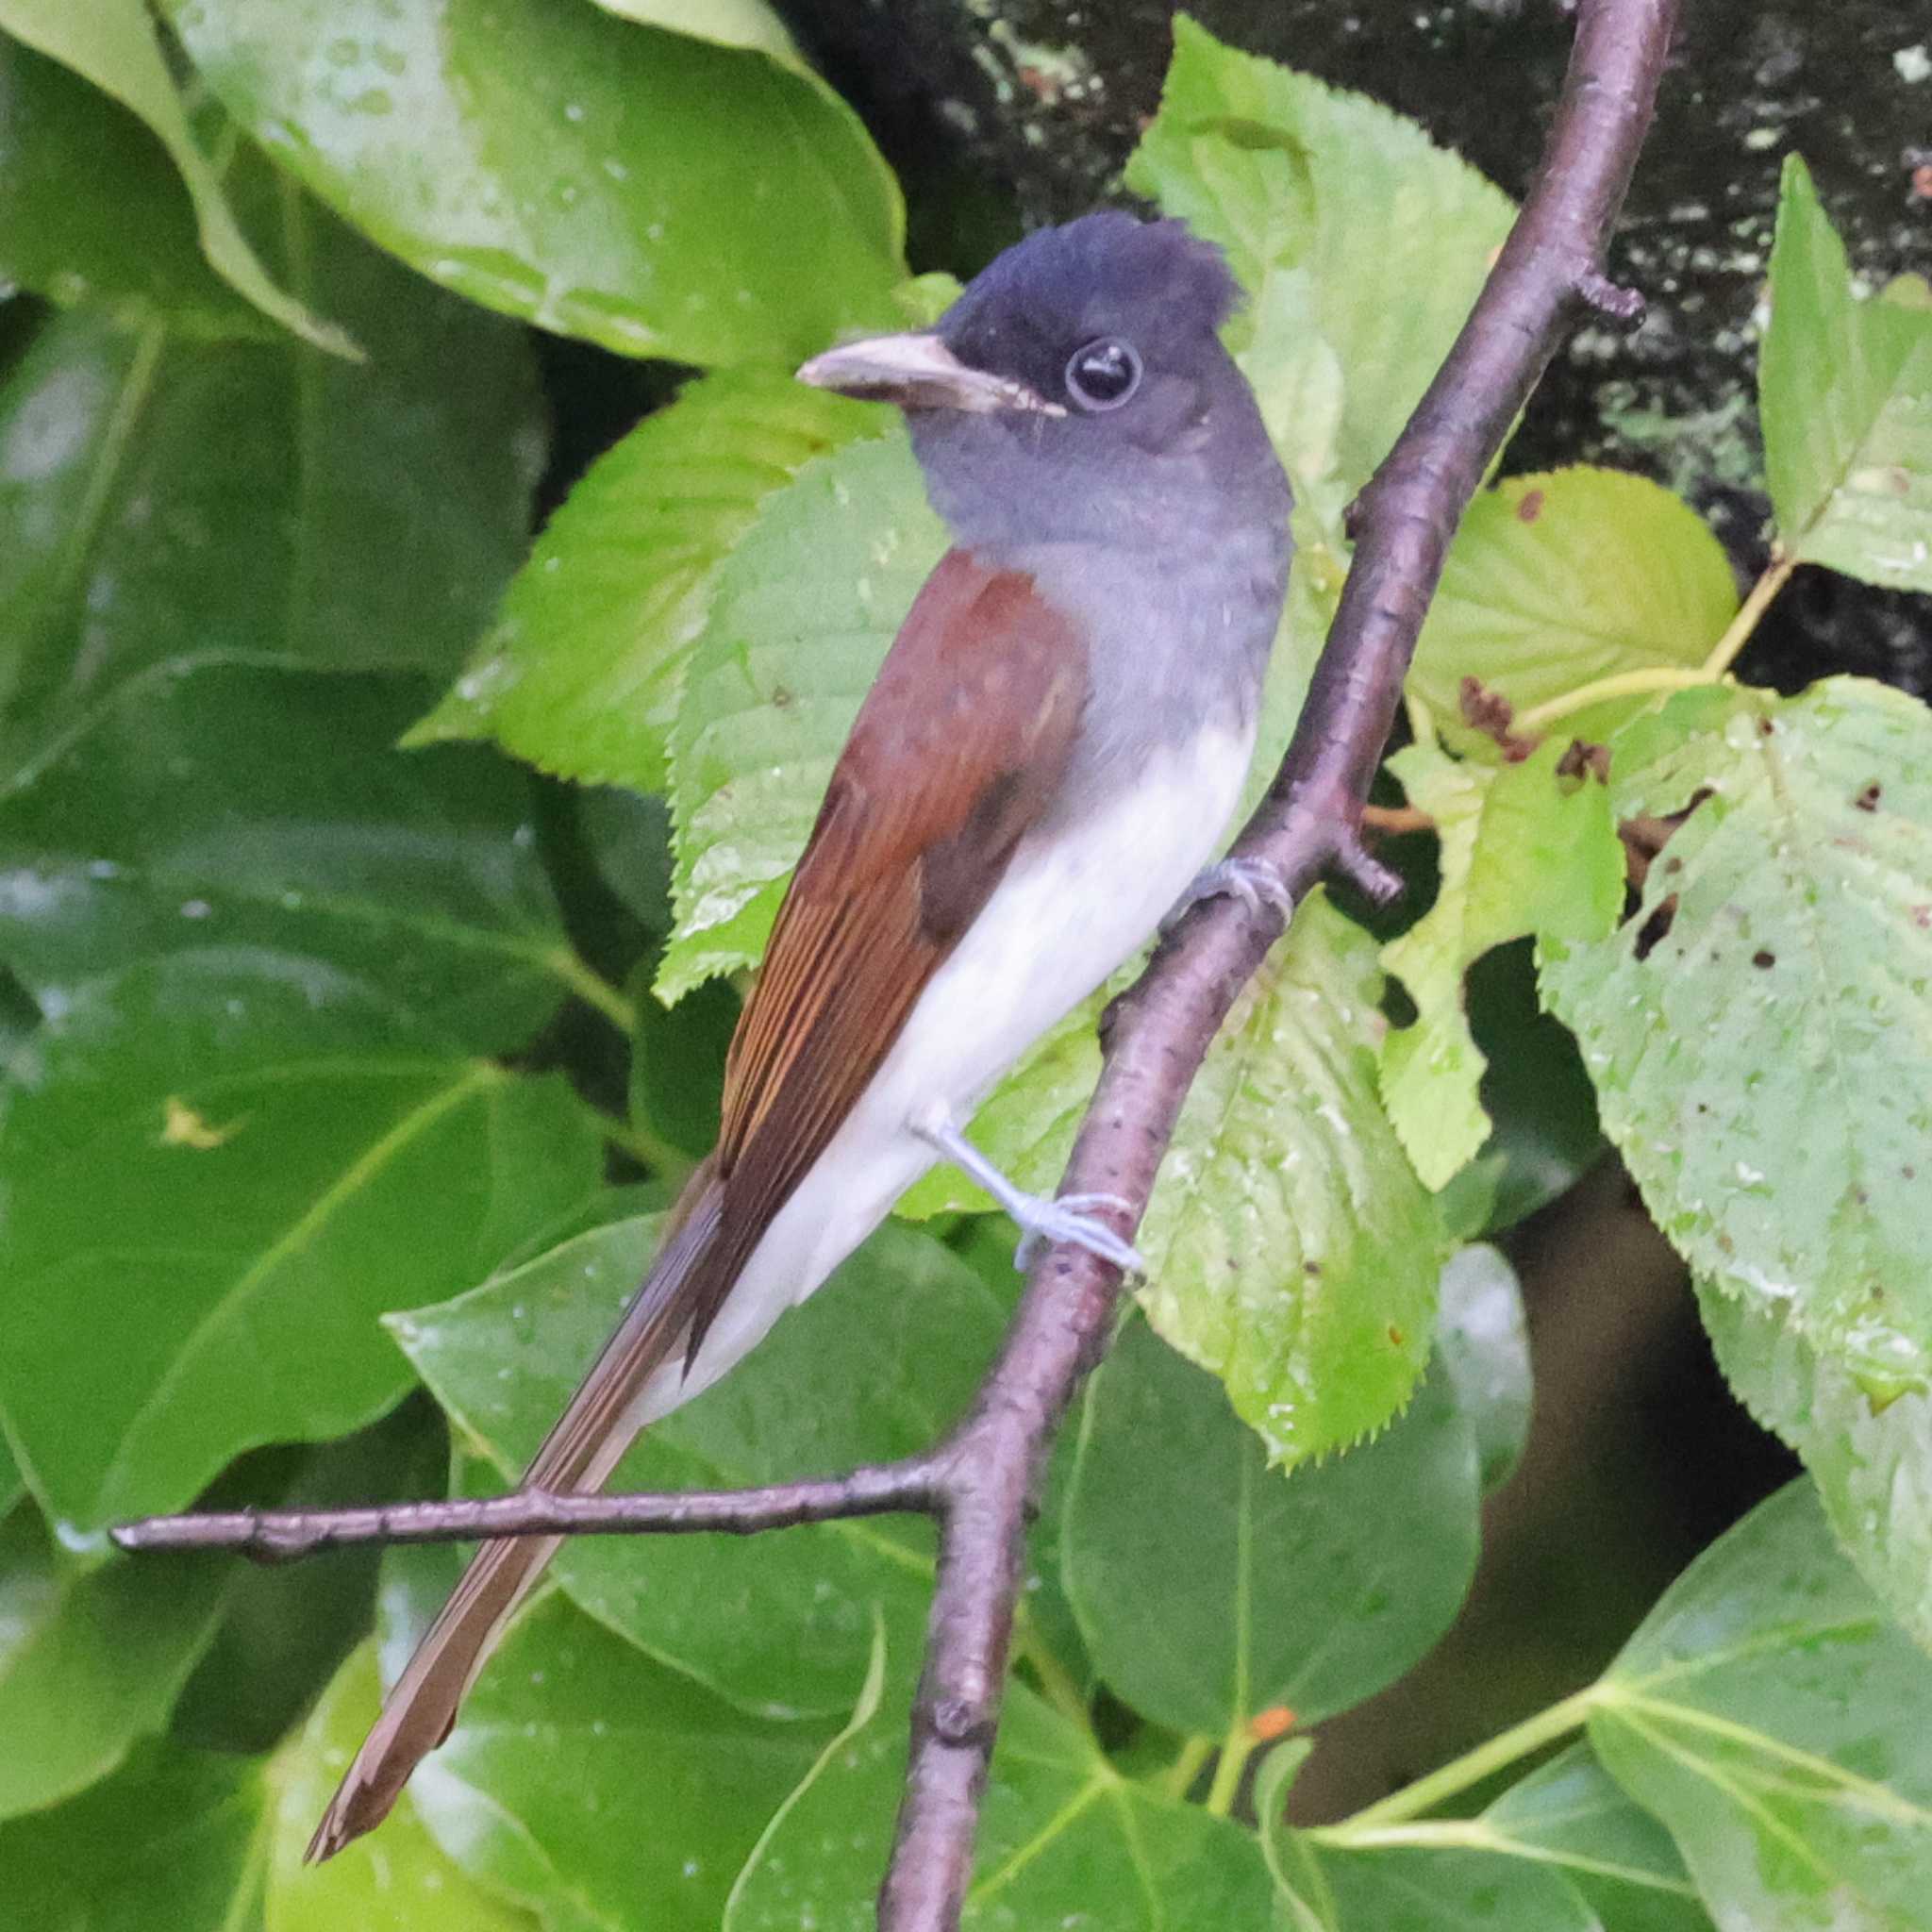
(1559, 580)
(1846, 387)
(582, 671)
(1778, 971)
(1871, 1460)
(1526, 848)
(1772, 1715)
(1211, 1589)
(655, 193)
(875, 1365)
(113, 44)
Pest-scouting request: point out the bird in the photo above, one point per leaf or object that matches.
(1044, 770)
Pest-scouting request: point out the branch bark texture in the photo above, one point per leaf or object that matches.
(979, 1482)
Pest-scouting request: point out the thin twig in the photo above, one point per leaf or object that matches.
(979, 1483)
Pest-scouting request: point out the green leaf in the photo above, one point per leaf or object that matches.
(1447, 1891)
(1064, 1840)
(174, 1838)
(730, 23)
(1570, 1814)
(399, 1881)
(91, 1657)
(252, 809)
(1285, 172)
(1483, 1339)
(652, 192)
(1210, 1589)
(1778, 971)
(164, 502)
(1775, 1719)
(588, 1783)
(1871, 1460)
(1523, 850)
(113, 44)
(94, 210)
(268, 1153)
(875, 1365)
(1846, 387)
(800, 619)
(1291, 1248)
(582, 672)
(678, 1062)
(1557, 580)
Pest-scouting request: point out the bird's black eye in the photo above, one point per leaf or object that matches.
(1103, 374)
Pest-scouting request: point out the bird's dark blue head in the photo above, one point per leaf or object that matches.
(1079, 389)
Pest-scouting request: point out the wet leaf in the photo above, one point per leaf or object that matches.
(1482, 1337)
(1779, 970)
(652, 192)
(1780, 1726)
(1846, 387)
(1210, 1587)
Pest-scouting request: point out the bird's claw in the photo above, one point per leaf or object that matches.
(1045, 1224)
(1253, 881)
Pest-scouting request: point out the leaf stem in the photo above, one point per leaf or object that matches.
(1625, 684)
(1754, 607)
(1236, 1749)
(1444, 1782)
(590, 987)
(1057, 1683)
(1178, 1778)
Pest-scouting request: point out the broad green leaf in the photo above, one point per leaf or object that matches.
(800, 619)
(1523, 850)
(1432, 1890)
(267, 1152)
(398, 1881)
(174, 1838)
(233, 807)
(1846, 387)
(1065, 1841)
(91, 1657)
(1482, 1337)
(94, 210)
(167, 502)
(1291, 1248)
(678, 1062)
(1570, 1814)
(1780, 1724)
(1871, 1460)
(582, 672)
(875, 1365)
(730, 23)
(1778, 972)
(113, 44)
(1286, 173)
(13, 1486)
(587, 1782)
(1211, 1589)
(1555, 581)
(652, 192)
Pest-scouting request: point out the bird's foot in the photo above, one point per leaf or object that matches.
(1253, 881)
(1042, 1222)
(1045, 1224)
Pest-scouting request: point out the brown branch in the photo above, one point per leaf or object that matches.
(979, 1482)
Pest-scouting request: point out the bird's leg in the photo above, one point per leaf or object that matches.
(1042, 1222)
(1253, 881)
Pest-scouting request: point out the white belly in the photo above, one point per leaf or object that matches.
(1066, 914)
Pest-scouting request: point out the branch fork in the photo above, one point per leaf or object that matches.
(979, 1482)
